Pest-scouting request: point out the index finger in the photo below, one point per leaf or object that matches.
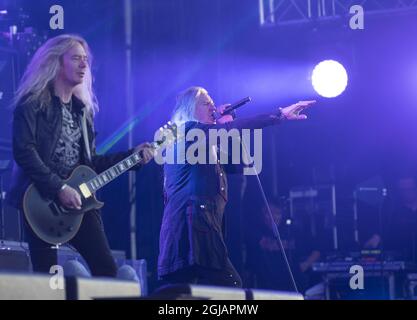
(307, 102)
(304, 105)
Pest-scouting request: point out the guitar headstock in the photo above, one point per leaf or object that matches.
(168, 134)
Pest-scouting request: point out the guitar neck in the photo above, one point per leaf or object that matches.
(115, 171)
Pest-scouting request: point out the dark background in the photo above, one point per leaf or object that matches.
(369, 131)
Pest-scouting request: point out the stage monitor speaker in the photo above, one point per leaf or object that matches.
(198, 292)
(28, 287)
(256, 294)
(101, 288)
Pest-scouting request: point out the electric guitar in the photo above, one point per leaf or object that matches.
(55, 224)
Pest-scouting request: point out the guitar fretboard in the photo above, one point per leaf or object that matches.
(115, 171)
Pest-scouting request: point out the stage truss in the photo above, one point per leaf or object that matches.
(299, 12)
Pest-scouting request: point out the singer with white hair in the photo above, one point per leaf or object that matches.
(192, 248)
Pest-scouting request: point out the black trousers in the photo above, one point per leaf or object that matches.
(227, 277)
(90, 241)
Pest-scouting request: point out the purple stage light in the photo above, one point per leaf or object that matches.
(329, 79)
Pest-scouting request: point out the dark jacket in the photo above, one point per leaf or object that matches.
(191, 231)
(35, 135)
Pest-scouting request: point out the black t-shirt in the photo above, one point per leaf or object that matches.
(68, 149)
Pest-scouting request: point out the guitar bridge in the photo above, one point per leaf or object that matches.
(85, 191)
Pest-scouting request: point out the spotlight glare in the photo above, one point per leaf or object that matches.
(329, 79)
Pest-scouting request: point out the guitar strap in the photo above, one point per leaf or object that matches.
(85, 135)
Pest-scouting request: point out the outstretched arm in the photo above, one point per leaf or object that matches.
(292, 112)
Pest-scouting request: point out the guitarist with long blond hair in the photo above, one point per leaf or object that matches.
(53, 133)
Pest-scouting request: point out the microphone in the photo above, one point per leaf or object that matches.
(234, 106)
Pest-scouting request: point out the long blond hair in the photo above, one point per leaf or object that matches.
(185, 105)
(37, 81)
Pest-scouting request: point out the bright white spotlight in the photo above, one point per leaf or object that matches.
(329, 79)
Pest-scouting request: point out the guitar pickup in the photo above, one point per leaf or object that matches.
(85, 191)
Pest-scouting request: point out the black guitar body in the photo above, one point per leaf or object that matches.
(50, 221)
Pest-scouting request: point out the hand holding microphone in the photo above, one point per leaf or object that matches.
(223, 117)
(225, 113)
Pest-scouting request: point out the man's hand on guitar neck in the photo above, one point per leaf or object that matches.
(69, 198)
(146, 151)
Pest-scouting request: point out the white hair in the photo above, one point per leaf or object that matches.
(184, 109)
